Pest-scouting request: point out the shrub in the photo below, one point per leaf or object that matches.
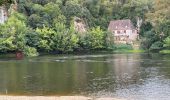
(30, 51)
(156, 46)
(12, 33)
(150, 37)
(167, 42)
(94, 39)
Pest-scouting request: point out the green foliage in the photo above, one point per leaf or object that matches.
(65, 39)
(149, 38)
(57, 39)
(109, 40)
(94, 39)
(160, 20)
(165, 52)
(34, 21)
(167, 42)
(5, 2)
(145, 28)
(32, 38)
(12, 33)
(45, 38)
(48, 24)
(123, 47)
(156, 46)
(30, 51)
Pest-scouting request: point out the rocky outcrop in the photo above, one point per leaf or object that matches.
(80, 25)
(3, 14)
(13, 8)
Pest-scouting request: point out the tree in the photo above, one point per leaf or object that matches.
(2, 2)
(45, 38)
(159, 16)
(94, 39)
(12, 35)
(65, 40)
(149, 38)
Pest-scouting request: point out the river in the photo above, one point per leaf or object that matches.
(133, 76)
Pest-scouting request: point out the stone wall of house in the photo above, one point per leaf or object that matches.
(134, 36)
(125, 36)
(123, 32)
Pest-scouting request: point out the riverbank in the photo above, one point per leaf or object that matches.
(13, 54)
(53, 98)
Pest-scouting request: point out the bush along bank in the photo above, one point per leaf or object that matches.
(35, 26)
(17, 36)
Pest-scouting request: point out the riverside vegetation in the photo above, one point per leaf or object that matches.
(47, 25)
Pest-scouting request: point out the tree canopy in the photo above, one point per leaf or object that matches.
(47, 25)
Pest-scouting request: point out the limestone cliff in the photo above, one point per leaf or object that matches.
(80, 25)
(3, 14)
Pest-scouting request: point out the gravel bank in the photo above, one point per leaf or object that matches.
(53, 98)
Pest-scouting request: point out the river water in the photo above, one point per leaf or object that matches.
(130, 76)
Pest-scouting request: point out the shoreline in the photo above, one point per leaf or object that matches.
(6, 97)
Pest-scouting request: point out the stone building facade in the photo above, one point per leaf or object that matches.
(123, 31)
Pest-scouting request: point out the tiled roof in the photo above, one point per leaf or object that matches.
(121, 25)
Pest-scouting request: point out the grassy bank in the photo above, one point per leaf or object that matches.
(164, 52)
(129, 51)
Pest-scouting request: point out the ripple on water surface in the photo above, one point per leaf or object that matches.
(131, 76)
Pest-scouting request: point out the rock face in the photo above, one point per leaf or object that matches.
(79, 25)
(13, 7)
(3, 14)
(4, 11)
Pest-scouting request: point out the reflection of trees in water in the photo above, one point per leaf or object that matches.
(156, 64)
(72, 76)
(3, 82)
(126, 68)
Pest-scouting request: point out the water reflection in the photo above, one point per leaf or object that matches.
(127, 68)
(135, 76)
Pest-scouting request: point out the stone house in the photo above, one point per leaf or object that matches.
(123, 31)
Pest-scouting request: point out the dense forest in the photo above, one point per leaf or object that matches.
(47, 25)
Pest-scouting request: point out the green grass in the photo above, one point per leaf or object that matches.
(128, 51)
(164, 51)
(125, 48)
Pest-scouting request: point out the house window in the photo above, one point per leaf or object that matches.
(114, 31)
(124, 31)
(118, 32)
